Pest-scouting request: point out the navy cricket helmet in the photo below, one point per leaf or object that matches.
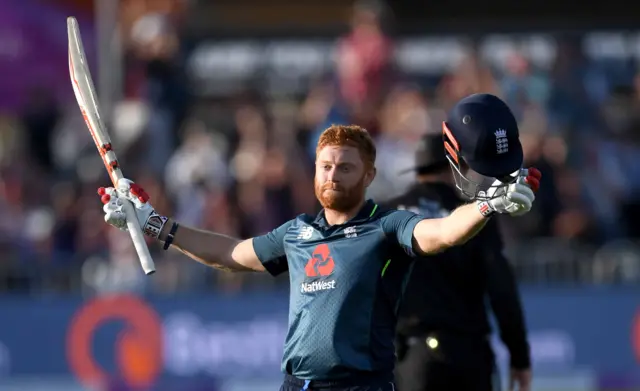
(482, 144)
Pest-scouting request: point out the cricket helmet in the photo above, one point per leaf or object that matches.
(482, 144)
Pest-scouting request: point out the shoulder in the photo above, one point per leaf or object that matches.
(391, 218)
(384, 210)
(295, 224)
(404, 204)
(303, 219)
(299, 225)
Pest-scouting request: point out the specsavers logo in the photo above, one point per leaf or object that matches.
(321, 264)
(138, 348)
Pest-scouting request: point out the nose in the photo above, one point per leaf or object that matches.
(332, 175)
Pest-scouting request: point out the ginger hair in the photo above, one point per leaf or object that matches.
(349, 135)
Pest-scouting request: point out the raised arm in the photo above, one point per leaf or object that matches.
(435, 235)
(262, 253)
(429, 236)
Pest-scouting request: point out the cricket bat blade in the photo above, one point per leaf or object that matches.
(84, 91)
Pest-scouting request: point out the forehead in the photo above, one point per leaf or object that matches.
(339, 154)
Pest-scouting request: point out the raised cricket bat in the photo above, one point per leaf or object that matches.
(85, 95)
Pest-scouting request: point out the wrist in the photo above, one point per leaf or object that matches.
(166, 228)
(171, 235)
(485, 208)
(154, 225)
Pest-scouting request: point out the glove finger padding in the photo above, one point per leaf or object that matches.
(110, 192)
(522, 198)
(517, 198)
(531, 177)
(114, 215)
(519, 212)
(126, 190)
(124, 185)
(520, 189)
(533, 183)
(132, 192)
(534, 172)
(114, 204)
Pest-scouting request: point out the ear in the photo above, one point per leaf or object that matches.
(369, 176)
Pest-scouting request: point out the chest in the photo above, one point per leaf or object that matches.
(345, 253)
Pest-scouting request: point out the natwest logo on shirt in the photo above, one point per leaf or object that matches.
(321, 264)
(308, 287)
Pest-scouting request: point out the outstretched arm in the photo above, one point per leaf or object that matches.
(213, 249)
(262, 253)
(436, 235)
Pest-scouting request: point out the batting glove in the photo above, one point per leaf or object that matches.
(113, 200)
(515, 199)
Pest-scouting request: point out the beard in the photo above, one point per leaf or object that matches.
(336, 197)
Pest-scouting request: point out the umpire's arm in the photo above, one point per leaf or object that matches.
(505, 298)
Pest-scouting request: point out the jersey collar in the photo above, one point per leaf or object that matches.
(368, 209)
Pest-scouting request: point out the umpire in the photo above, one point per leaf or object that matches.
(443, 327)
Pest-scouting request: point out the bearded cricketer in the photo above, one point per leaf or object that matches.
(348, 265)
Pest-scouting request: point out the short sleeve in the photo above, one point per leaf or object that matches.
(398, 225)
(270, 249)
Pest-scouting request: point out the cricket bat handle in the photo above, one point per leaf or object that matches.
(138, 239)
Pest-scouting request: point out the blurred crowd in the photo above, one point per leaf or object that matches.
(244, 164)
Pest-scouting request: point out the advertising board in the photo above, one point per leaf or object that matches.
(589, 338)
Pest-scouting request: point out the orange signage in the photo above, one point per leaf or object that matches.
(138, 347)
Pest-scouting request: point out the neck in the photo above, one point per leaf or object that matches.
(334, 217)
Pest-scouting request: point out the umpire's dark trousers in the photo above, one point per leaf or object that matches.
(382, 382)
(446, 363)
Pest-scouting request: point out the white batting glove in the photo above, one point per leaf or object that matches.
(113, 200)
(515, 199)
(530, 177)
